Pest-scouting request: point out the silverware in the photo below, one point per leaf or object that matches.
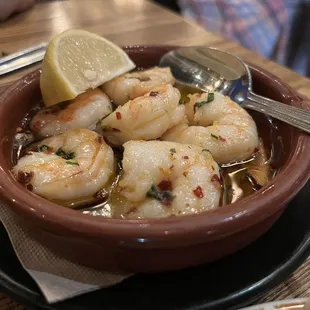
(22, 58)
(210, 69)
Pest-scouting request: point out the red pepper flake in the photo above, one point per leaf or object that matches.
(215, 178)
(49, 151)
(118, 115)
(24, 177)
(30, 187)
(47, 111)
(153, 93)
(37, 124)
(166, 202)
(217, 181)
(185, 157)
(100, 139)
(222, 139)
(165, 185)
(198, 192)
(256, 150)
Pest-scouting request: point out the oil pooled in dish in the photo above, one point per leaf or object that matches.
(164, 195)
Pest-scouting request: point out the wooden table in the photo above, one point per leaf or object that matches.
(128, 22)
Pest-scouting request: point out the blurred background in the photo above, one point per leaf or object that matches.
(276, 29)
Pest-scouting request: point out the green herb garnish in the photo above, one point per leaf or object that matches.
(173, 150)
(181, 101)
(72, 163)
(164, 196)
(205, 150)
(214, 136)
(202, 103)
(60, 152)
(43, 147)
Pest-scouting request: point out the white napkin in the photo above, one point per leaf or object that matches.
(57, 278)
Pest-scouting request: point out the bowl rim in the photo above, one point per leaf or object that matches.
(206, 226)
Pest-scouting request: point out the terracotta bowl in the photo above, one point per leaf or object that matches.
(159, 244)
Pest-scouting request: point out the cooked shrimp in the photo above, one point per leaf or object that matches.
(230, 133)
(168, 178)
(67, 167)
(83, 112)
(144, 118)
(132, 85)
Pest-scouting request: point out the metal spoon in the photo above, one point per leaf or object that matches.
(210, 69)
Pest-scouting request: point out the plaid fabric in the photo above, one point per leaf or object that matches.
(264, 26)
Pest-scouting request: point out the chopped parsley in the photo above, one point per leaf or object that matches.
(181, 101)
(173, 150)
(43, 148)
(164, 196)
(202, 103)
(72, 163)
(60, 152)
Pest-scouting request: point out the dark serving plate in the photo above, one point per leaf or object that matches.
(230, 283)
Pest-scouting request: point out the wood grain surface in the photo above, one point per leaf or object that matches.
(132, 22)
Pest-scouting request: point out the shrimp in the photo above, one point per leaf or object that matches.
(67, 167)
(167, 178)
(83, 112)
(144, 118)
(219, 125)
(132, 85)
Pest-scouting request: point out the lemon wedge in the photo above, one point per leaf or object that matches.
(77, 60)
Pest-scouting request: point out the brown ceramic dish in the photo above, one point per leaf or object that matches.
(160, 244)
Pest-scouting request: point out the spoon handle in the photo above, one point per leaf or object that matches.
(294, 116)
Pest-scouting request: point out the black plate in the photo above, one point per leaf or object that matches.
(229, 283)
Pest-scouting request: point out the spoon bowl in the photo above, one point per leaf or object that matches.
(210, 69)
